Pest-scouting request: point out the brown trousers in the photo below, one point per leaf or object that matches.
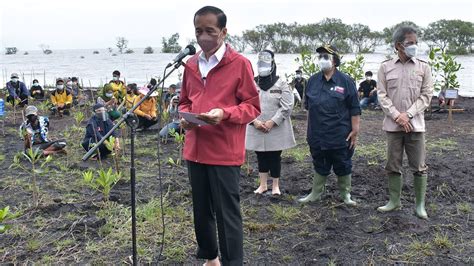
(413, 144)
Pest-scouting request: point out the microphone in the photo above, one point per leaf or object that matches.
(189, 50)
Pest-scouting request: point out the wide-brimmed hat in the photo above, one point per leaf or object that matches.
(145, 90)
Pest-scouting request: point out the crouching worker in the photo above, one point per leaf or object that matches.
(61, 99)
(34, 131)
(174, 117)
(146, 112)
(97, 126)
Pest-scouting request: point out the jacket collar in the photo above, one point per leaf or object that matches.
(229, 56)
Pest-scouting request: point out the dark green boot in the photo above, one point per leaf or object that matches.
(319, 182)
(420, 192)
(344, 183)
(394, 190)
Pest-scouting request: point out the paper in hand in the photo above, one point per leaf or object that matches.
(192, 118)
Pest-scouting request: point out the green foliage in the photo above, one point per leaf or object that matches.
(237, 42)
(452, 36)
(104, 183)
(179, 139)
(148, 50)
(284, 214)
(33, 156)
(121, 44)
(362, 39)
(307, 63)
(444, 69)
(5, 215)
(171, 45)
(354, 68)
(255, 38)
(79, 117)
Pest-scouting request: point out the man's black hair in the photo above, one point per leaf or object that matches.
(369, 73)
(221, 17)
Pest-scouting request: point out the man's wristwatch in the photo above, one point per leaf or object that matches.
(409, 115)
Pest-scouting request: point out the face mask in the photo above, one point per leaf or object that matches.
(324, 64)
(35, 84)
(411, 50)
(298, 76)
(207, 42)
(109, 94)
(69, 84)
(14, 80)
(264, 71)
(368, 78)
(115, 78)
(60, 87)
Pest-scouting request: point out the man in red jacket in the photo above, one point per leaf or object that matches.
(218, 85)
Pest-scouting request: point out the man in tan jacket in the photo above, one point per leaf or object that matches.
(405, 91)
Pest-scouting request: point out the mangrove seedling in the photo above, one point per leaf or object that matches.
(103, 183)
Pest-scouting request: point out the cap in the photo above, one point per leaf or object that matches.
(14, 75)
(299, 71)
(31, 110)
(326, 48)
(59, 79)
(97, 106)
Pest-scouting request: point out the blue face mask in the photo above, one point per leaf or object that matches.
(109, 94)
(36, 84)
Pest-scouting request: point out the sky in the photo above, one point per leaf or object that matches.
(95, 24)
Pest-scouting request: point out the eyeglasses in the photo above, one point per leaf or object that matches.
(325, 56)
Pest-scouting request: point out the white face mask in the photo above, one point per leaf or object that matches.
(69, 84)
(115, 78)
(264, 71)
(368, 78)
(14, 80)
(59, 87)
(35, 84)
(298, 76)
(109, 94)
(411, 50)
(324, 64)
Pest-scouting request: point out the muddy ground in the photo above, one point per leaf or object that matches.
(72, 223)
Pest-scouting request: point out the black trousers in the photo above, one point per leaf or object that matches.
(145, 123)
(216, 197)
(23, 99)
(269, 161)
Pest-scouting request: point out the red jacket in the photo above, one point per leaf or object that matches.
(229, 86)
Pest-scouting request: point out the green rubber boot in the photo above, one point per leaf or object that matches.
(395, 191)
(319, 181)
(344, 183)
(420, 192)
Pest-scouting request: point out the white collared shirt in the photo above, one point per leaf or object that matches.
(205, 66)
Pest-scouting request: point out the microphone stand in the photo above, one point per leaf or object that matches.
(132, 121)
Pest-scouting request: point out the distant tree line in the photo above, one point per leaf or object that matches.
(451, 36)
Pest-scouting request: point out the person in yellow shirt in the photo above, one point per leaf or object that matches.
(61, 99)
(118, 86)
(132, 94)
(146, 112)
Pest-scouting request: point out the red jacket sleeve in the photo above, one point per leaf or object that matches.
(249, 107)
(184, 104)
